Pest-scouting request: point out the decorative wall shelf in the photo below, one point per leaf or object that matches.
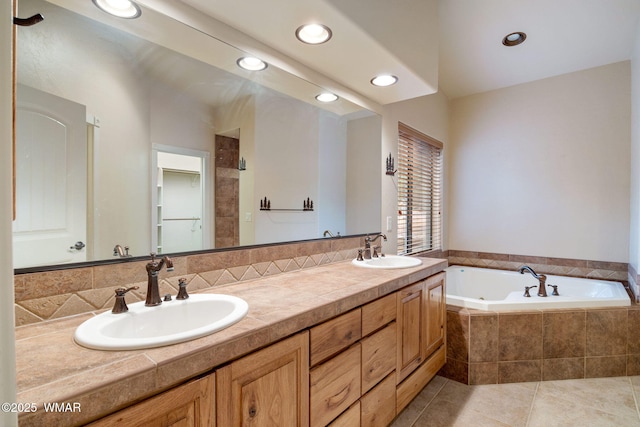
(307, 206)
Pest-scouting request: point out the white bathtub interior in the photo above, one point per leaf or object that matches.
(501, 290)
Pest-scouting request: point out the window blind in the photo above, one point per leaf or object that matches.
(419, 192)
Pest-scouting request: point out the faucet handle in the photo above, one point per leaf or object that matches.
(555, 290)
(360, 258)
(182, 292)
(121, 291)
(526, 290)
(375, 252)
(120, 305)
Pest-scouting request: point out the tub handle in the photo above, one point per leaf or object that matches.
(526, 290)
(555, 290)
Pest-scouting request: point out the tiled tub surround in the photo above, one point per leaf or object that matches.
(52, 368)
(66, 292)
(485, 347)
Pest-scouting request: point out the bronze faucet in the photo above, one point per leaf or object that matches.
(367, 245)
(182, 292)
(153, 267)
(121, 305)
(542, 288)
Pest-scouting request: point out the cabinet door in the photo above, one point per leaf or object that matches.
(189, 405)
(411, 329)
(267, 388)
(435, 312)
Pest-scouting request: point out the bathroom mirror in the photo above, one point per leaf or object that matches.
(136, 88)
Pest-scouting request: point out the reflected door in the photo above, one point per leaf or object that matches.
(181, 211)
(51, 180)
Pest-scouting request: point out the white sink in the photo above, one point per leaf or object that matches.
(389, 261)
(170, 323)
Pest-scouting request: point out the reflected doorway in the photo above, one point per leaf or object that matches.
(180, 200)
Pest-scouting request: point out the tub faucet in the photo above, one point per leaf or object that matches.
(153, 268)
(542, 289)
(367, 244)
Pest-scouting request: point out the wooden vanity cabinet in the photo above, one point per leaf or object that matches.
(421, 336)
(355, 386)
(189, 405)
(267, 388)
(360, 368)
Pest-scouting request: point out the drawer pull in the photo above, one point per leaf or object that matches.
(339, 397)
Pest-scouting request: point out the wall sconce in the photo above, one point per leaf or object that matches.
(390, 168)
(242, 165)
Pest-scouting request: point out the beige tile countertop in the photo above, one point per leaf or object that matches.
(52, 368)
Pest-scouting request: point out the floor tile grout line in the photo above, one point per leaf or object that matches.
(635, 397)
(533, 402)
(430, 401)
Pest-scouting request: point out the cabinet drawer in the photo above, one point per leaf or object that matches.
(378, 356)
(334, 386)
(378, 313)
(334, 335)
(349, 418)
(378, 407)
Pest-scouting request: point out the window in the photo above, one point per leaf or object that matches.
(419, 191)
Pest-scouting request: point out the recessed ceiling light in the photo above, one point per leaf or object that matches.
(327, 97)
(384, 80)
(252, 64)
(119, 8)
(313, 33)
(514, 39)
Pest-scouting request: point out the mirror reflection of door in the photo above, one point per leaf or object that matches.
(180, 199)
(51, 180)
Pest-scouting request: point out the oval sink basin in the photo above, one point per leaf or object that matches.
(170, 323)
(389, 261)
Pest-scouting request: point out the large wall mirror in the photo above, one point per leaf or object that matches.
(144, 133)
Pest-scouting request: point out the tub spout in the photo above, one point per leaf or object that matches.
(542, 279)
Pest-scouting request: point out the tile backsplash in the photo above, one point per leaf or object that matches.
(66, 292)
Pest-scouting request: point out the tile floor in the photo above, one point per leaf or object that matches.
(583, 402)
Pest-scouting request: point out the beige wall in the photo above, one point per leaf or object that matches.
(543, 168)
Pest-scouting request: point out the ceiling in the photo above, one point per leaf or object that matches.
(453, 46)
(563, 36)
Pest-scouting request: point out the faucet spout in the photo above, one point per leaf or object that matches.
(367, 244)
(153, 268)
(368, 240)
(542, 279)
